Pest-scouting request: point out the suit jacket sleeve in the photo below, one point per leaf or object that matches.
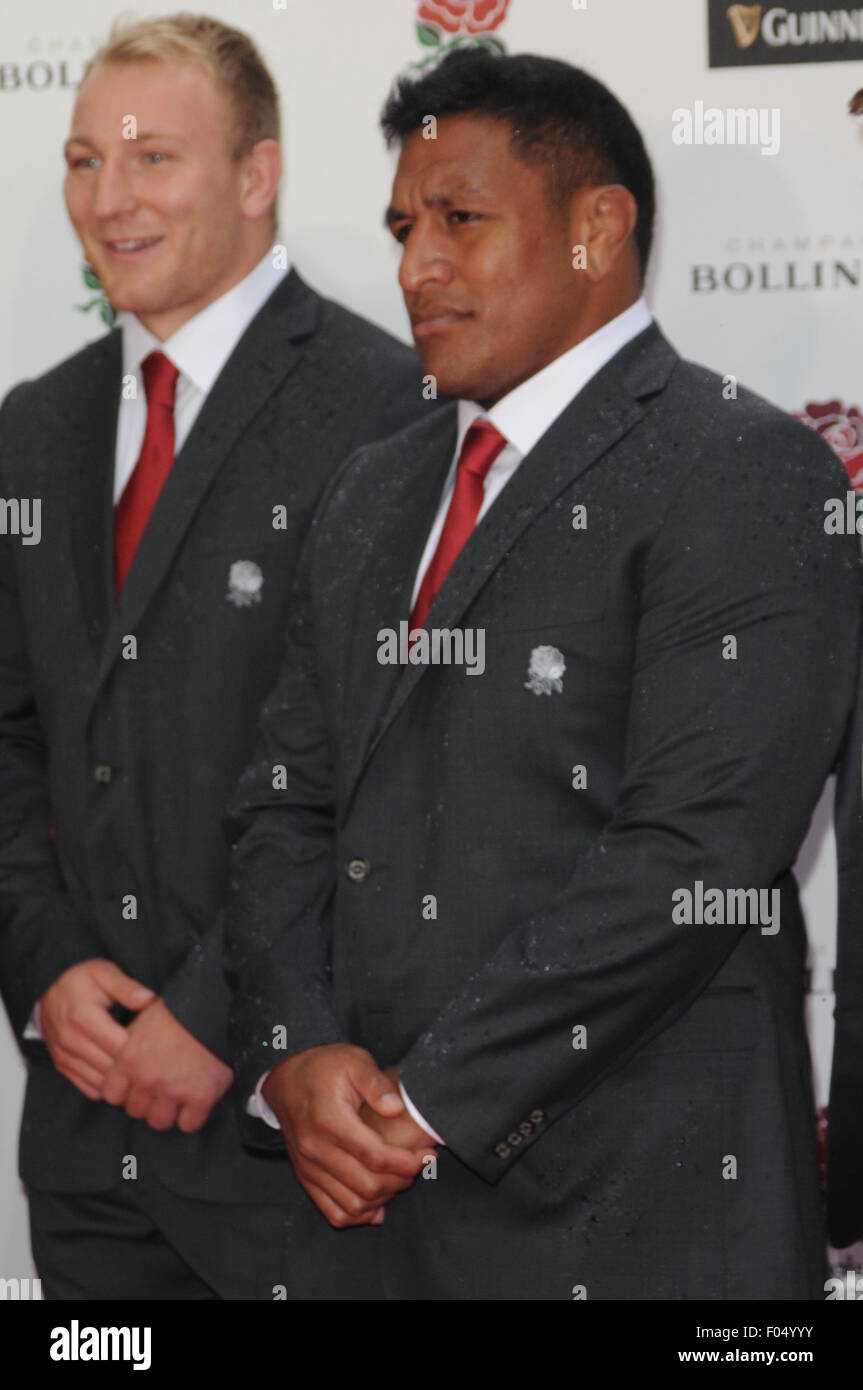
(724, 762)
(197, 993)
(845, 1113)
(282, 821)
(41, 931)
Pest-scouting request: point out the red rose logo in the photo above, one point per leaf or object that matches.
(843, 431)
(475, 16)
(469, 21)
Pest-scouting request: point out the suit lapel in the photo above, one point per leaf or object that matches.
(602, 413)
(385, 585)
(256, 368)
(90, 484)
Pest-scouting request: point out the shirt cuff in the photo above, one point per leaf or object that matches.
(418, 1119)
(34, 1027)
(257, 1107)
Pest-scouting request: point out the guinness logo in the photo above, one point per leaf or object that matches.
(745, 23)
(751, 36)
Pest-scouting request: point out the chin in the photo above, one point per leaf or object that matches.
(450, 381)
(125, 303)
(464, 389)
(469, 380)
(133, 298)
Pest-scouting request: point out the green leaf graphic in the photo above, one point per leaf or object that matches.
(427, 34)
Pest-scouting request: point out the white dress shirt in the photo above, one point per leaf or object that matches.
(526, 412)
(200, 349)
(522, 417)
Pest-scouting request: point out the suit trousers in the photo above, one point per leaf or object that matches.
(141, 1241)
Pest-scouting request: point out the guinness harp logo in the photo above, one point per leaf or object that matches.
(745, 23)
(798, 31)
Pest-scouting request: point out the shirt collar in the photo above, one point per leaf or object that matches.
(203, 344)
(524, 414)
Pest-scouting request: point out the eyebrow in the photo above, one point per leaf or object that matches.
(143, 135)
(435, 200)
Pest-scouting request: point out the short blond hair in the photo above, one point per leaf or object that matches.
(228, 55)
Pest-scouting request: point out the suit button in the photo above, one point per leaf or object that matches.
(103, 772)
(514, 1139)
(526, 1127)
(502, 1150)
(537, 1116)
(358, 870)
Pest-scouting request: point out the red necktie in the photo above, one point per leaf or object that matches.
(138, 499)
(481, 446)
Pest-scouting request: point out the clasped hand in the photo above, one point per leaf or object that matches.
(154, 1068)
(349, 1136)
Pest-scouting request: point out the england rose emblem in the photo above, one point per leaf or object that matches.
(842, 429)
(245, 582)
(545, 672)
(468, 21)
(476, 16)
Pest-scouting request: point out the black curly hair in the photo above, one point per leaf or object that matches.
(561, 118)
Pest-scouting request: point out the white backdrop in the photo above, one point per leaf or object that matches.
(794, 335)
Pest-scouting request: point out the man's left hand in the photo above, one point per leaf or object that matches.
(400, 1130)
(163, 1075)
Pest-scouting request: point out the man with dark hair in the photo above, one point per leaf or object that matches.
(178, 461)
(563, 122)
(546, 895)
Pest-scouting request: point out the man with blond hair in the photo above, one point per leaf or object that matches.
(178, 461)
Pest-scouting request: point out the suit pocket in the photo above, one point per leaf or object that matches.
(723, 1019)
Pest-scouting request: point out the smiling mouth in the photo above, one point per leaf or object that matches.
(132, 245)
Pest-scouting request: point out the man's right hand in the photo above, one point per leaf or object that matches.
(347, 1169)
(79, 1032)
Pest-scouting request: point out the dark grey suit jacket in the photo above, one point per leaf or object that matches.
(134, 759)
(845, 1108)
(673, 1155)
